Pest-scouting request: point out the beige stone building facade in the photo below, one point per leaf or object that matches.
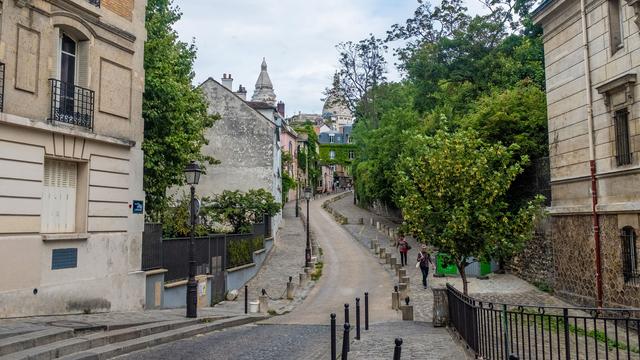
(592, 60)
(71, 162)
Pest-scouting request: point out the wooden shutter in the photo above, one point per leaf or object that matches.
(59, 196)
(82, 58)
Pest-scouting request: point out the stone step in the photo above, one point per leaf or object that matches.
(125, 347)
(13, 344)
(72, 344)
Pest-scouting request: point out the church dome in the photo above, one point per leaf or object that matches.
(335, 106)
(264, 88)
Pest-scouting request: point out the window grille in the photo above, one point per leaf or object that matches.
(630, 256)
(623, 149)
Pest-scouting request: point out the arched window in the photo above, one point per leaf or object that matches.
(629, 255)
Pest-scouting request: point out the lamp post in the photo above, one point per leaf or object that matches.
(297, 196)
(307, 250)
(192, 174)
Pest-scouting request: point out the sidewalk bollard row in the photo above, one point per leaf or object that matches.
(290, 289)
(397, 351)
(246, 299)
(333, 337)
(357, 318)
(347, 327)
(345, 341)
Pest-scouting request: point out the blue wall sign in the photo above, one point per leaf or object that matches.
(138, 206)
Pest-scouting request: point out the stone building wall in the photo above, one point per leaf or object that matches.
(574, 262)
(535, 262)
(102, 235)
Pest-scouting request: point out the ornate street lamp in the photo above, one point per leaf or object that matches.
(307, 250)
(192, 173)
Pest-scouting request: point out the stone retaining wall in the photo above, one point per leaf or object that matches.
(535, 262)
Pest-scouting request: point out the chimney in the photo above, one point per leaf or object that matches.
(242, 93)
(227, 81)
(280, 108)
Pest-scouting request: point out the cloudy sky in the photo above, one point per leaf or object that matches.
(297, 38)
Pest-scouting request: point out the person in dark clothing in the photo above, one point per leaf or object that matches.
(424, 260)
(403, 247)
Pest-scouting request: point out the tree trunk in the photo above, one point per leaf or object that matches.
(463, 275)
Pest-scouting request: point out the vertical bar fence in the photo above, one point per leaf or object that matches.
(506, 331)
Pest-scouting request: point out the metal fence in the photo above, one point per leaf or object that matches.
(152, 246)
(498, 331)
(213, 253)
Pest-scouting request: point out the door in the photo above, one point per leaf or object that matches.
(59, 197)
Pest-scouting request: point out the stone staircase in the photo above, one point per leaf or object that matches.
(60, 342)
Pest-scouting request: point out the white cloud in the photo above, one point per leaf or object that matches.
(297, 37)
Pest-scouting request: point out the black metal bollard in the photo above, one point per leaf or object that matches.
(333, 337)
(366, 311)
(345, 342)
(513, 357)
(397, 351)
(246, 299)
(357, 318)
(346, 314)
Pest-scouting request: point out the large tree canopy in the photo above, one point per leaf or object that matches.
(175, 113)
(453, 190)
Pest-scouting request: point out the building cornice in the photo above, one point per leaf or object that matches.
(624, 83)
(602, 175)
(62, 129)
(616, 208)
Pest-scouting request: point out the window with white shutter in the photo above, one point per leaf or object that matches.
(59, 196)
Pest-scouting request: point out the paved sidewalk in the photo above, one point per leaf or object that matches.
(504, 288)
(285, 259)
(420, 340)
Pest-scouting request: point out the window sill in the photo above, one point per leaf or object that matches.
(65, 236)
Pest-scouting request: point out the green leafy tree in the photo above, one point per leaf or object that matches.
(379, 143)
(174, 112)
(288, 182)
(362, 69)
(308, 155)
(452, 190)
(240, 210)
(514, 116)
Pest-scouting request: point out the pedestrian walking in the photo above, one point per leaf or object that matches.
(404, 247)
(424, 262)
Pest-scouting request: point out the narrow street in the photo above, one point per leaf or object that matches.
(349, 271)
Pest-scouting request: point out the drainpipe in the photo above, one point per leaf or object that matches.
(592, 155)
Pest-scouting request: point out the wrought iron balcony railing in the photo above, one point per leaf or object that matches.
(71, 104)
(95, 3)
(1, 87)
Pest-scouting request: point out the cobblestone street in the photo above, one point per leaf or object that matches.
(249, 342)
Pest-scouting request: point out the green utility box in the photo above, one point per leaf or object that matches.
(443, 270)
(481, 268)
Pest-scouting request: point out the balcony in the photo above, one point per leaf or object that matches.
(71, 104)
(95, 3)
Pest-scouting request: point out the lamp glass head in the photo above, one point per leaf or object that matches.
(192, 173)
